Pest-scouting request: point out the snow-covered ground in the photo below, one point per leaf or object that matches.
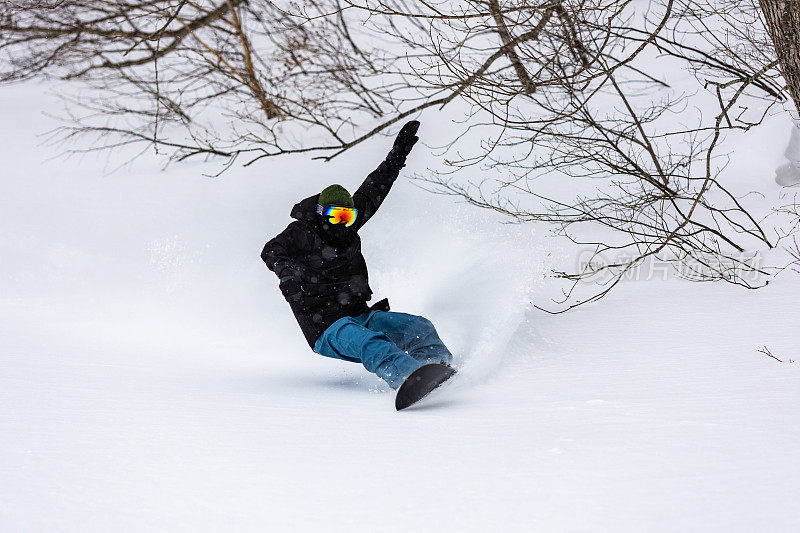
(153, 379)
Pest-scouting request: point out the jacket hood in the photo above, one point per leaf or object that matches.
(305, 209)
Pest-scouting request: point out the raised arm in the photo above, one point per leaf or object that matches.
(371, 193)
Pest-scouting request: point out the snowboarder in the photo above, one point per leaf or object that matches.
(323, 276)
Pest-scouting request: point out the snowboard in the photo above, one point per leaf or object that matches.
(420, 383)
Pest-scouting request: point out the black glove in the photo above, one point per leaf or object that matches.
(291, 281)
(403, 144)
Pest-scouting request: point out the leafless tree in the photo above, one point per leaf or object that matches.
(589, 110)
(782, 20)
(217, 78)
(562, 91)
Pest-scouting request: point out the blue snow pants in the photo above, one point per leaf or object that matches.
(391, 345)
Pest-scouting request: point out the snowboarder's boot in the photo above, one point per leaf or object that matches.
(421, 382)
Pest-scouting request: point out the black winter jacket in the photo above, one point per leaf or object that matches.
(333, 273)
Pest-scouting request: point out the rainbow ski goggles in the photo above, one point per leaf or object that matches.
(338, 215)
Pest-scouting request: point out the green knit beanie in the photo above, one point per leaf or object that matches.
(335, 195)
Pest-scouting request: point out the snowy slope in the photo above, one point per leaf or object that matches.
(153, 379)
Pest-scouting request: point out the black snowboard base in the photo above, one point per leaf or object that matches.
(420, 383)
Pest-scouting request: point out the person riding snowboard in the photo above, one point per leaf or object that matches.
(323, 276)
